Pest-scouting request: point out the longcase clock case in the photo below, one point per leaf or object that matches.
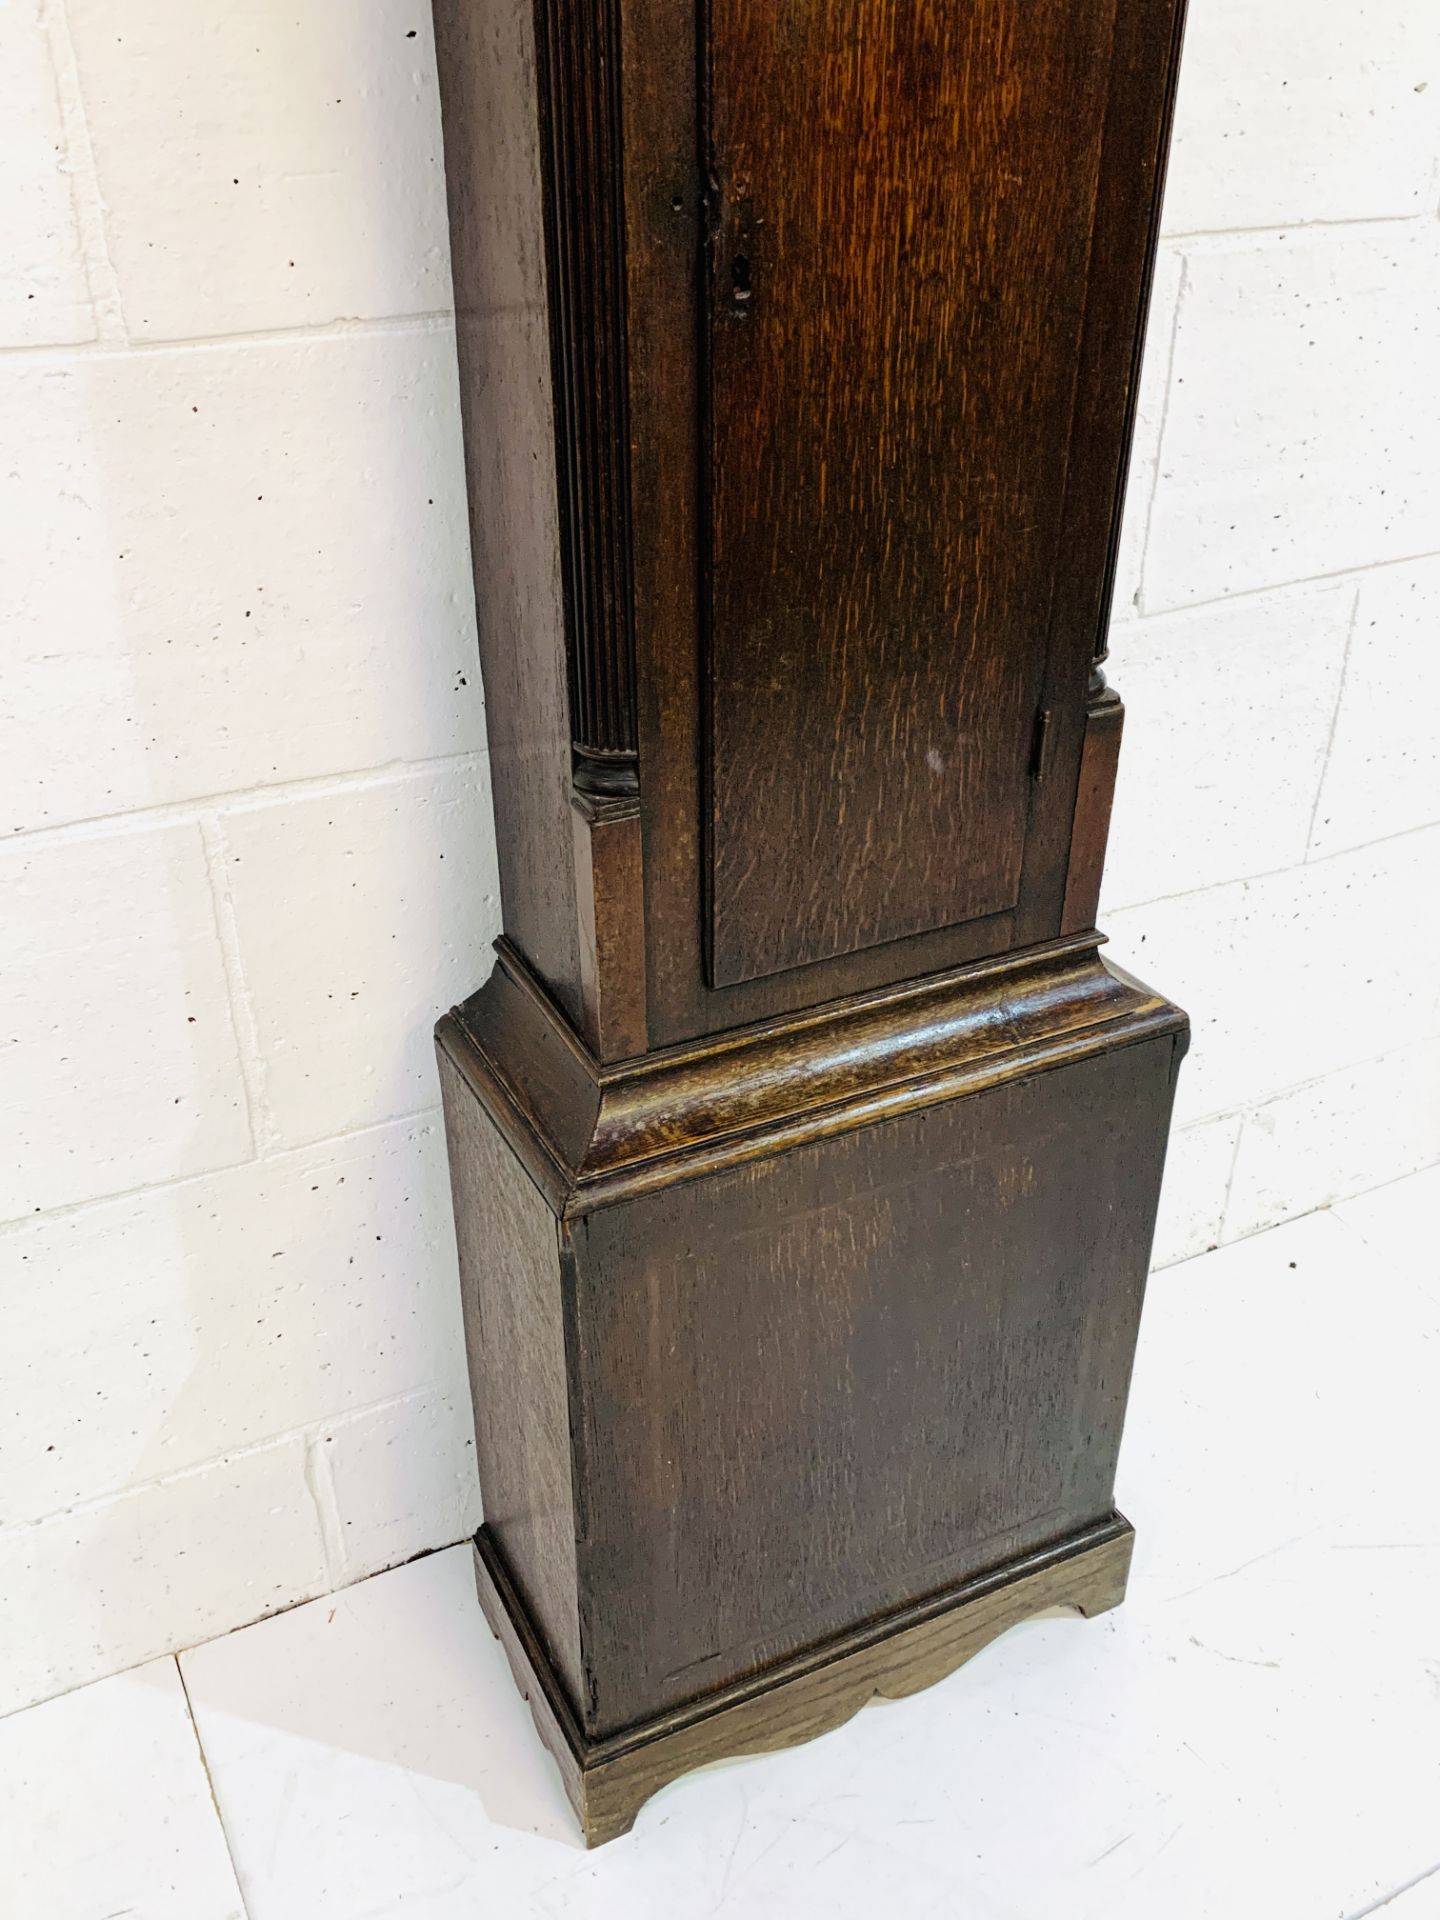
(805, 1149)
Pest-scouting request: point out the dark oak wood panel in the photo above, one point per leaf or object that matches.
(805, 1162)
(1124, 106)
(515, 1342)
(897, 296)
(1138, 115)
(1104, 724)
(503, 337)
(904, 1354)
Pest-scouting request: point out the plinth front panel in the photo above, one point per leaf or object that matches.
(821, 1386)
(905, 197)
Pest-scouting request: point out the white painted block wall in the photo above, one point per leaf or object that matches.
(248, 853)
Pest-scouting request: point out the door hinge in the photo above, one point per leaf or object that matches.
(1040, 744)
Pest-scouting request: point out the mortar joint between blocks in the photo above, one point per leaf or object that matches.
(265, 1137)
(1335, 713)
(320, 1484)
(1230, 1176)
(87, 200)
(1171, 350)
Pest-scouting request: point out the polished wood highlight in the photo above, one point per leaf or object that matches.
(805, 1145)
(592, 1133)
(608, 1781)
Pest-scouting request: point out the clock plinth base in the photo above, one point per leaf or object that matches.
(609, 1780)
(799, 1356)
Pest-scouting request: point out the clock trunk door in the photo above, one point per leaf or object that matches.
(902, 202)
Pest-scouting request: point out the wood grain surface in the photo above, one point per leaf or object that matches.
(890, 411)
(828, 1381)
(503, 336)
(838, 1313)
(594, 1135)
(1099, 765)
(805, 1150)
(511, 1288)
(817, 559)
(608, 1781)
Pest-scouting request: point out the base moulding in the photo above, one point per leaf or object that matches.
(608, 1780)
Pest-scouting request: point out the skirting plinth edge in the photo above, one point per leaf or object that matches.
(609, 1780)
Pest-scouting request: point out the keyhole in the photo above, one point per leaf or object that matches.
(740, 278)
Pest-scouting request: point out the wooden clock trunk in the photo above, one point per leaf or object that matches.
(805, 1149)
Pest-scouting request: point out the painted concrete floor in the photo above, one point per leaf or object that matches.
(1255, 1735)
